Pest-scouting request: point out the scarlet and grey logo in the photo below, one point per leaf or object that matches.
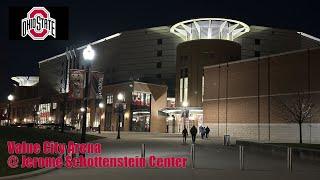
(38, 24)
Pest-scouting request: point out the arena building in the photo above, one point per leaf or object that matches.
(183, 57)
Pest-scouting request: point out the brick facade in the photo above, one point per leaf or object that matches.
(243, 96)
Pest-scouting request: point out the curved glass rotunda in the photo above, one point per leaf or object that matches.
(210, 28)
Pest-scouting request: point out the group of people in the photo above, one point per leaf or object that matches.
(204, 132)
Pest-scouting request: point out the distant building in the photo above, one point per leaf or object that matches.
(142, 102)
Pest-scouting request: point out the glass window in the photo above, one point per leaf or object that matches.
(202, 87)
(159, 64)
(257, 41)
(109, 99)
(159, 41)
(185, 89)
(181, 89)
(184, 85)
(256, 53)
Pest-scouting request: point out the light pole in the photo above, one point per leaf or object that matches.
(185, 104)
(120, 98)
(101, 106)
(88, 56)
(10, 99)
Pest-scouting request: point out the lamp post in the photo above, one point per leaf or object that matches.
(10, 99)
(88, 56)
(120, 108)
(185, 104)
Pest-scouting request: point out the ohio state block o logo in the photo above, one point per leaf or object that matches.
(38, 24)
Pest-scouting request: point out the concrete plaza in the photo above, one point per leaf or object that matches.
(213, 161)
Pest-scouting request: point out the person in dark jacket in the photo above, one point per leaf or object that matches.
(193, 132)
(185, 134)
(202, 132)
(207, 131)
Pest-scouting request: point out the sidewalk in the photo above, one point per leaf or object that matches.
(213, 161)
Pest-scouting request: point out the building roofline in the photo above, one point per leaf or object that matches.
(82, 47)
(127, 82)
(309, 36)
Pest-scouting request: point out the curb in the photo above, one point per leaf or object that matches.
(28, 174)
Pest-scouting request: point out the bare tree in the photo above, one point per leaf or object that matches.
(297, 110)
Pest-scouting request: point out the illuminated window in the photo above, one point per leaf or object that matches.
(109, 99)
(141, 98)
(202, 87)
(184, 85)
(88, 121)
(181, 89)
(185, 89)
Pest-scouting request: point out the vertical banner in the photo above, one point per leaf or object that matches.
(76, 83)
(96, 85)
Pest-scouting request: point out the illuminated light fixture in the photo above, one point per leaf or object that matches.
(82, 109)
(210, 28)
(126, 115)
(185, 104)
(120, 97)
(26, 80)
(170, 118)
(10, 97)
(101, 105)
(88, 53)
(141, 112)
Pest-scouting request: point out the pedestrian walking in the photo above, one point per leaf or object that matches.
(185, 134)
(193, 132)
(207, 131)
(202, 132)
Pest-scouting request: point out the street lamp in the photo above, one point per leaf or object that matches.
(185, 105)
(88, 56)
(120, 98)
(101, 105)
(82, 109)
(10, 99)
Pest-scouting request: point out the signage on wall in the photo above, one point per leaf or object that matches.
(38, 23)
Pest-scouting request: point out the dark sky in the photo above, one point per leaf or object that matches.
(90, 20)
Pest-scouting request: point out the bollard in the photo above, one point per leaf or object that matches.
(226, 140)
(193, 156)
(143, 150)
(289, 159)
(241, 158)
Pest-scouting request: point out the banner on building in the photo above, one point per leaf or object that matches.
(76, 83)
(96, 85)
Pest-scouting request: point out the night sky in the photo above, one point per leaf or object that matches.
(90, 20)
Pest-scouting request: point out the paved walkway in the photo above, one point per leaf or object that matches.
(212, 161)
